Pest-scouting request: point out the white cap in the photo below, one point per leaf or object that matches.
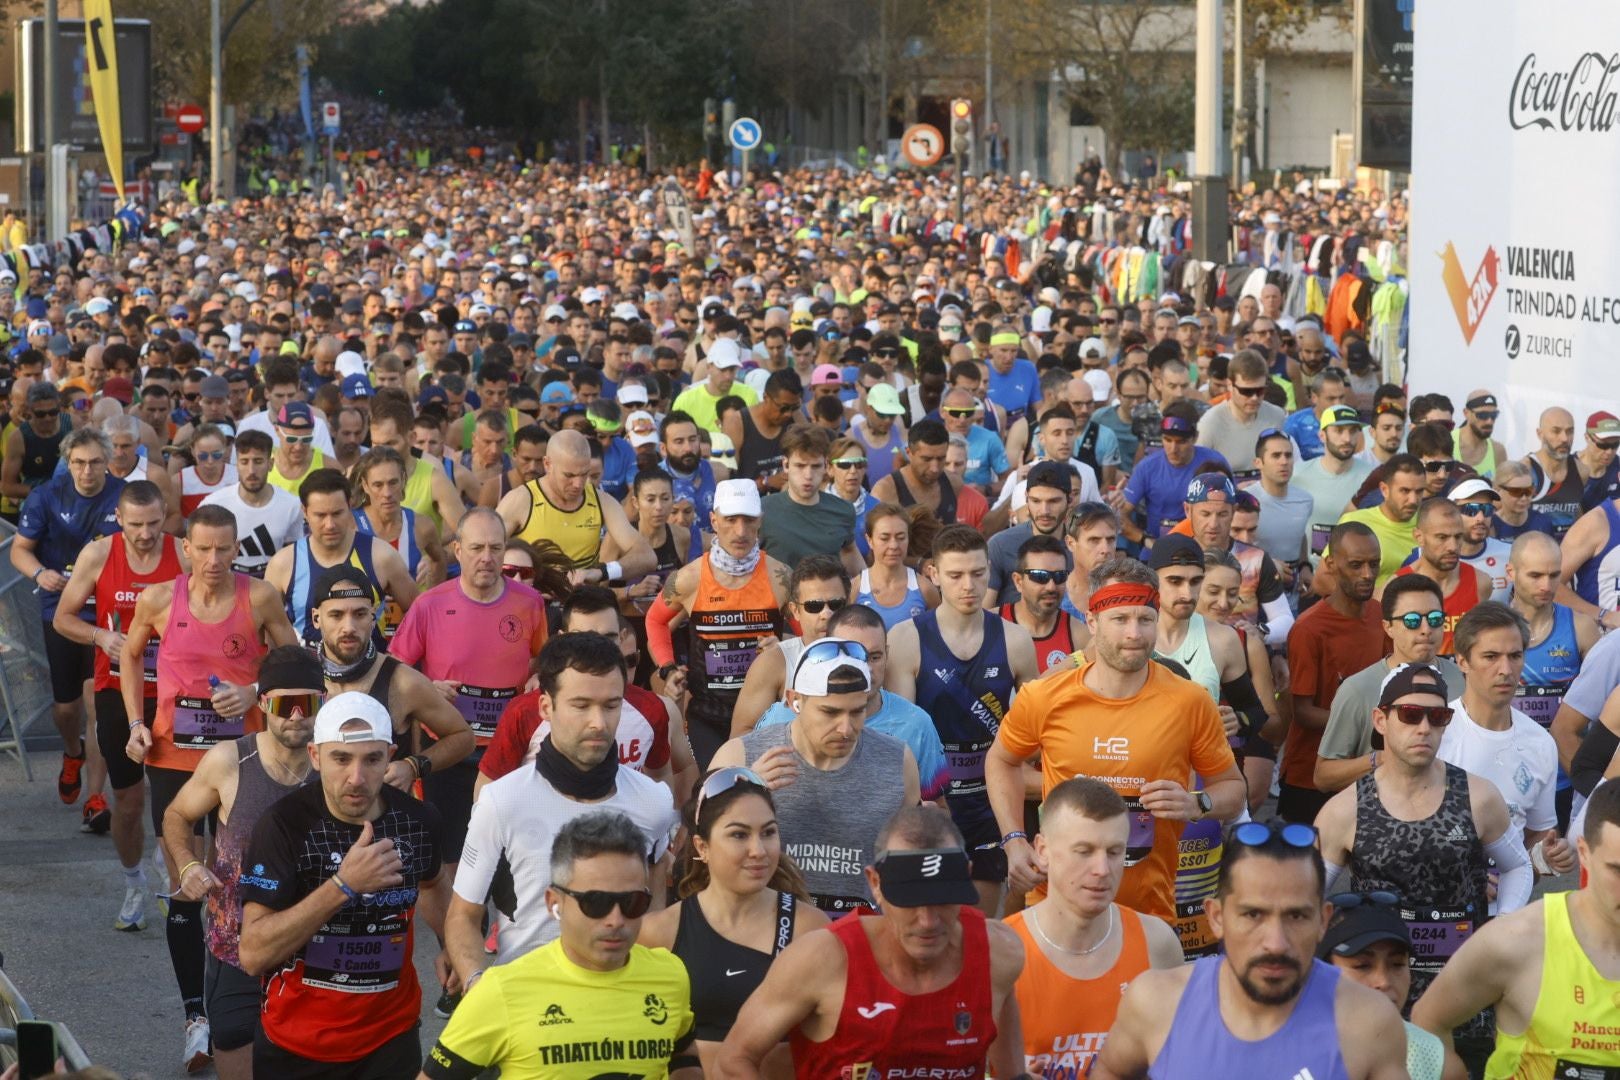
(725, 353)
(348, 706)
(737, 498)
(820, 659)
(722, 449)
(97, 305)
(248, 291)
(626, 311)
(591, 295)
(632, 393)
(1472, 488)
(1093, 345)
(351, 363)
(1040, 320)
(641, 428)
(1050, 296)
(555, 311)
(1102, 387)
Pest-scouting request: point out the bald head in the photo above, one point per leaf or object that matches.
(568, 446)
(1081, 391)
(1436, 510)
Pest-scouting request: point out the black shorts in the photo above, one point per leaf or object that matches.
(1299, 804)
(112, 735)
(988, 861)
(1256, 747)
(451, 793)
(231, 997)
(70, 664)
(400, 1058)
(166, 784)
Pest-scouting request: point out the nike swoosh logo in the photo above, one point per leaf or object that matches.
(1193, 657)
(739, 971)
(874, 1011)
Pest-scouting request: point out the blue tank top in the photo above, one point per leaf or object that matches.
(968, 699)
(1598, 579)
(910, 606)
(1199, 1043)
(699, 488)
(880, 460)
(407, 546)
(302, 585)
(1549, 668)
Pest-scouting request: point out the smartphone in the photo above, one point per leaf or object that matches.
(36, 1049)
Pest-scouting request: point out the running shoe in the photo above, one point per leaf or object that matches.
(97, 816)
(68, 784)
(446, 1005)
(132, 916)
(197, 1056)
(492, 944)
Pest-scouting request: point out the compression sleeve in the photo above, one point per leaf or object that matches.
(1518, 878)
(660, 641)
(1331, 872)
(1279, 619)
(1240, 694)
(1593, 757)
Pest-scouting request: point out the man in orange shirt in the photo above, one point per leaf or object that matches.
(1133, 724)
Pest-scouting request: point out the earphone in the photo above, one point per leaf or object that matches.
(556, 911)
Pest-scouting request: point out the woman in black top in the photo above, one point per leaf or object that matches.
(742, 902)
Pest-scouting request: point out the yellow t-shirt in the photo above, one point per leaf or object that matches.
(696, 401)
(542, 1017)
(1396, 539)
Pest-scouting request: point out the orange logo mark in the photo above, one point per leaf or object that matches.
(1469, 299)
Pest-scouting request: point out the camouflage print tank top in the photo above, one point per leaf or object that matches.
(1437, 866)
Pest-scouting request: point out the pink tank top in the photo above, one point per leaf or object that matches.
(187, 725)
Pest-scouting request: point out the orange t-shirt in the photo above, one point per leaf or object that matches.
(1167, 731)
(1066, 1019)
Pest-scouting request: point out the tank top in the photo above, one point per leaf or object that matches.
(194, 489)
(300, 589)
(759, 455)
(880, 460)
(1574, 1003)
(668, 558)
(186, 725)
(1597, 580)
(945, 1033)
(724, 632)
(722, 972)
(967, 698)
(947, 497)
(577, 532)
(1549, 667)
(1054, 648)
(117, 589)
(1436, 866)
(419, 489)
(1487, 464)
(317, 460)
(1193, 656)
(256, 792)
(1066, 1019)
(910, 606)
(830, 819)
(1560, 501)
(409, 550)
(1200, 1044)
(41, 452)
(1251, 562)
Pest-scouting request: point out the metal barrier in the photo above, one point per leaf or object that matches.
(13, 1008)
(25, 678)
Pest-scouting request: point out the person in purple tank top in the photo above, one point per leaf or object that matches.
(1265, 1006)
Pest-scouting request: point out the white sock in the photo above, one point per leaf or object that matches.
(135, 876)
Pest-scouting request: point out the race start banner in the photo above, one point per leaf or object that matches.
(1515, 238)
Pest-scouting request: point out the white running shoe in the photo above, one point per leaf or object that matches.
(197, 1056)
(132, 916)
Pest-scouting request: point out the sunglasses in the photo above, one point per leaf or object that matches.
(1046, 577)
(1436, 715)
(960, 414)
(723, 780)
(521, 573)
(816, 607)
(1249, 391)
(1438, 466)
(284, 705)
(209, 455)
(829, 650)
(1516, 492)
(1264, 833)
(1477, 509)
(1447, 424)
(1414, 619)
(191, 397)
(849, 463)
(298, 440)
(597, 904)
(46, 414)
(1349, 901)
(1606, 444)
(1108, 322)
(1489, 414)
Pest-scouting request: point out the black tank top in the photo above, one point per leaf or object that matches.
(947, 497)
(41, 453)
(722, 972)
(669, 560)
(758, 456)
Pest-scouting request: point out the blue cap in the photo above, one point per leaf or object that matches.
(295, 414)
(430, 394)
(557, 393)
(466, 326)
(356, 386)
(1205, 485)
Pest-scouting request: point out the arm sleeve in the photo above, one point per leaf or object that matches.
(1279, 619)
(1240, 694)
(1593, 758)
(1518, 877)
(660, 641)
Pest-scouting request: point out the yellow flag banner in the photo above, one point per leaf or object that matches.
(101, 67)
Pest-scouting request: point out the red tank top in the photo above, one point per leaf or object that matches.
(186, 725)
(117, 589)
(946, 1033)
(1054, 648)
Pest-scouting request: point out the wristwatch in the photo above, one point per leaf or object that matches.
(1205, 803)
(665, 670)
(423, 764)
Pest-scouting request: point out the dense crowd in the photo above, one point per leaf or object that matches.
(763, 626)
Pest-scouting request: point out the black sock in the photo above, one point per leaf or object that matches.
(185, 932)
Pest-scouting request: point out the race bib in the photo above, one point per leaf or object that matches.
(1192, 927)
(964, 765)
(1540, 703)
(365, 958)
(148, 665)
(481, 707)
(1320, 531)
(727, 663)
(1143, 829)
(1436, 935)
(197, 726)
(392, 616)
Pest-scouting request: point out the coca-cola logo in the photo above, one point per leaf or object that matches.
(1585, 97)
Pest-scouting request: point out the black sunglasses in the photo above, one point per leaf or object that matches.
(816, 607)
(1348, 901)
(1248, 391)
(597, 904)
(1047, 577)
(1438, 466)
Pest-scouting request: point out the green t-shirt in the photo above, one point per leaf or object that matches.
(1396, 539)
(790, 533)
(696, 402)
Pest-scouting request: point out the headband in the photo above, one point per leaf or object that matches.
(1005, 337)
(1124, 594)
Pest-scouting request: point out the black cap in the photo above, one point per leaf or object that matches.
(290, 667)
(567, 359)
(1411, 679)
(928, 876)
(1052, 474)
(1357, 929)
(1175, 550)
(344, 581)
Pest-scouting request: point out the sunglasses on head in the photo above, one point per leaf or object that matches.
(723, 780)
(1436, 715)
(828, 649)
(284, 705)
(597, 904)
(1414, 619)
(1249, 391)
(816, 607)
(1046, 577)
(1257, 834)
(1348, 901)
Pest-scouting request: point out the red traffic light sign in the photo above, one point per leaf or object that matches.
(922, 145)
(190, 119)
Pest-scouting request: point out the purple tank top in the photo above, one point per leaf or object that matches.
(1199, 1044)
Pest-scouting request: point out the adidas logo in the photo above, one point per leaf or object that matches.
(1304, 1074)
(1457, 833)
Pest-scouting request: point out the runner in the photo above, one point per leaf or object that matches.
(819, 589)
(1041, 580)
(378, 483)
(267, 517)
(1477, 501)
(1591, 569)
(528, 462)
(928, 984)
(430, 490)
(215, 627)
(889, 586)
(1265, 1006)
(1438, 532)
(128, 464)
(329, 922)
(233, 785)
(961, 664)
(1081, 949)
(211, 471)
(921, 481)
(680, 442)
(295, 457)
(536, 512)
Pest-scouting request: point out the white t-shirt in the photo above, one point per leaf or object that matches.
(260, 421)
(261, 531)
(1013, 489)
(513, 824)
(1522, 762)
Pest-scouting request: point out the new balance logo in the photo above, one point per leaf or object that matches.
(942, 674)
(875, 1010)
(991, 672)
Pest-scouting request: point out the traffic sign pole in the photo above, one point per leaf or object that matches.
(744, 134)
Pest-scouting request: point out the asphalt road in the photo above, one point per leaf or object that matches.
(59, 891)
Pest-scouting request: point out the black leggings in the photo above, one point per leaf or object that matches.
(400, 1058)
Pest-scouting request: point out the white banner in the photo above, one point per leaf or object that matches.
(1515, 242)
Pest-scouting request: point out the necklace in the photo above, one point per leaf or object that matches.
(296, 780)
(1035, 922)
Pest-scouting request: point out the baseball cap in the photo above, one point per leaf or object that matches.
(1174, 549)
(356, 386)
(353, 705)
(98, 305)
(1093, 346)
(826, 375)
(641, 428)
(1410, 679)
(1178, 425)
(1604, 425)
(1049, 474)
(725, 353)
(555, 313)
(722, 449)
(215, 386)
(295, 414)
(591, 295)
(632, 393)
(429, 395)
(1356, 929)
(1488, 401)
(924, 877)
(1472, 488)
(733, 498)
(885, 399)
(344, 582)
(350, 363)
(832, 665)
(1201, 487)
(465, 326)
(626, 311)
(59, 345)
(557, 393)
(567, 358)
(291, 668)
(1345, 416)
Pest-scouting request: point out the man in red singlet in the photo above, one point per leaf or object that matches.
(923, 989)
(1041, 578)
(1439, 536)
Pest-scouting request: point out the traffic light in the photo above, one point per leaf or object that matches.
(711, 120)
(961, 127)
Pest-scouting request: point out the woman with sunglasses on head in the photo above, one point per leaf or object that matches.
(890, 587)
(742, 902)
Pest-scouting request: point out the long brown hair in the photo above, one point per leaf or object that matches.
(694, 872)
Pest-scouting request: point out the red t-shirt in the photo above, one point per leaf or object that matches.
(1324, 649)
(643, 733)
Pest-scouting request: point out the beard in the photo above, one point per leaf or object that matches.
(684, 462)
(1117, 658)
(1260, 994)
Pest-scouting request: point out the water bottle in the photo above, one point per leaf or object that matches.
(214, 684)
